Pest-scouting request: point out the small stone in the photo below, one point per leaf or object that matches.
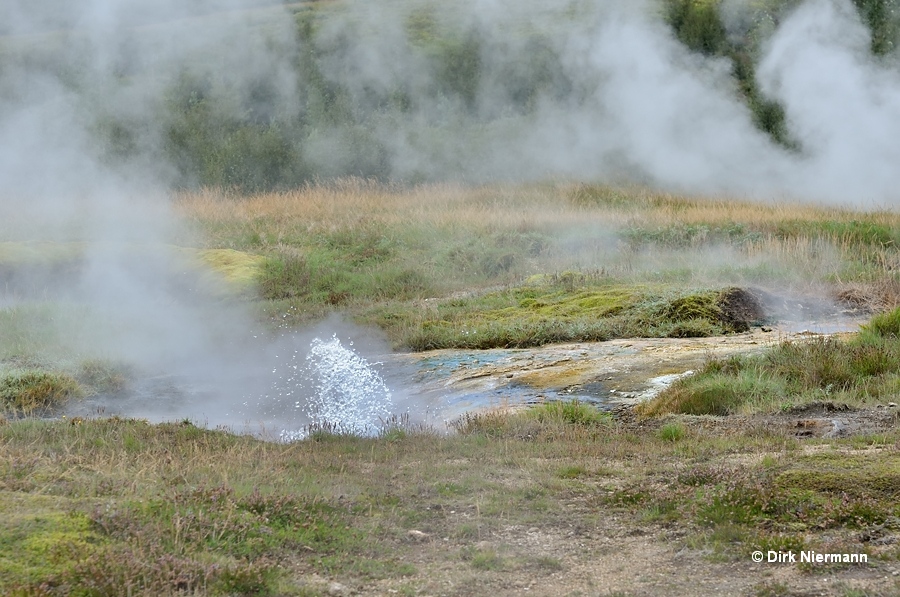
(892, 405)
(337, 589)
(418, 535)
(509, 376)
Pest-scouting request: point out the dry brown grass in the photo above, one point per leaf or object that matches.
(627, 233)
(352, 202)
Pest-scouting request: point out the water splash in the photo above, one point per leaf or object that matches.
(346, 389)
(335, 388)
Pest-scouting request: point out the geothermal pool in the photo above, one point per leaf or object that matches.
(332, 380)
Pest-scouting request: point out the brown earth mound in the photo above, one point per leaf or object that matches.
(741, 308)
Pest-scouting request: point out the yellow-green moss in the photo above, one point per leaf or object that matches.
(38, 253)
(875, 475)
(238, 268)
(586, 304)
(37, 542)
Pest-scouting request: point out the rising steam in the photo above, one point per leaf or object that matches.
(140, 95)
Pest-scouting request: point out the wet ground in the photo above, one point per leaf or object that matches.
(608, 374)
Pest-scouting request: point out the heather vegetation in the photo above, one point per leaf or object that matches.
(112, 507)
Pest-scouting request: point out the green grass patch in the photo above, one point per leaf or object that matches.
(882, 326)
(483, 559)
(671, 432)
(569, 412)
(860, 371)
(541, 421)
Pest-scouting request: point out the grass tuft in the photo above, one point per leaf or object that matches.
(30, 391)
(570, 413)
(671, 432)
(99, 376)
(884, 325)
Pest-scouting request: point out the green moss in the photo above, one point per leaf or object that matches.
(545, 313)
(37, 545)
(702, 306)
(839, 474)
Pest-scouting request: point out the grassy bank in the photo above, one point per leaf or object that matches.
(492, 266)
(443, 266)
(97, 507)
(858, 371)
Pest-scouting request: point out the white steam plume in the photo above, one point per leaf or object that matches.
(628, 101)
(124, 292)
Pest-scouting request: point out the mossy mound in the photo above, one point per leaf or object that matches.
(549, 312)
(32, 391)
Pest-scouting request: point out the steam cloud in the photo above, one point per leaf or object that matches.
(620, 100)
(594, 90)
